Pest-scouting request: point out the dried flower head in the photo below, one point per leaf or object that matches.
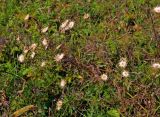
(70, 25)
(43, 64)
(66, 25)
(86, 16)
(104, 77)
(45, 43)
(21, 58)
(26, 49)
(123, 62)
(33, 54)
(59, 105)
(26, 17)
(59, 57)
(33, 46)
(157, 9)
(62, 83)
(156, 65)
(44, 29)
(18, 38)
(125, 73)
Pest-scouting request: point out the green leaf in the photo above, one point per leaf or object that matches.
(26, 71)
(113, 113)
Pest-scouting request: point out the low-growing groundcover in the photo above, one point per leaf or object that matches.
(79, 58)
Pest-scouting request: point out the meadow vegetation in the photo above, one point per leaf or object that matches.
(104, 64)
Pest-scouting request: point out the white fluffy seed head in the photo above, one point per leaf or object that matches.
(86, 16)
(21, 58)
(156, 65)
(62, 83)
(123, 62)
(59, 57)
(25, 50)
(43, 64)
(44, 29)
(45, 42)
(59, 104)
(33, 55)
(104, 77)
(18, 38)
(70, 25)
(33, 46)
(66, 25)
(157, 9)
(125, 73)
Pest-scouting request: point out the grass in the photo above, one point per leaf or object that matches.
(94, 46)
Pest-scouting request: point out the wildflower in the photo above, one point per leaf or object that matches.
(25, 50)
(26, 17)
(59, 105)
(156, 65)
(21, 58)
(157, 9)
(70, 25)
(66, 25)
(104, 77)
(33, 46)
(44, 30)
(62, 83)
(125, 73)
(123, 62)
(33, 54)
(59, 57)
(18, 38)
(43, 64)
(86, 16)
(45, 42)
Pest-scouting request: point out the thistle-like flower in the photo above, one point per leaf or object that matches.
(156, 65)
(123, 62)
(18, 38)
(125, 73)
(157, 9)
(44, 30)
(33, 46)
(104, 77)
(33, 55)
(45, 43)
(66, 25)
(70, 25)
(21, 58)
(43, 64)
(59, 57)
(59, 105)
(62, 83)
(86, 16)
(25, 50)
